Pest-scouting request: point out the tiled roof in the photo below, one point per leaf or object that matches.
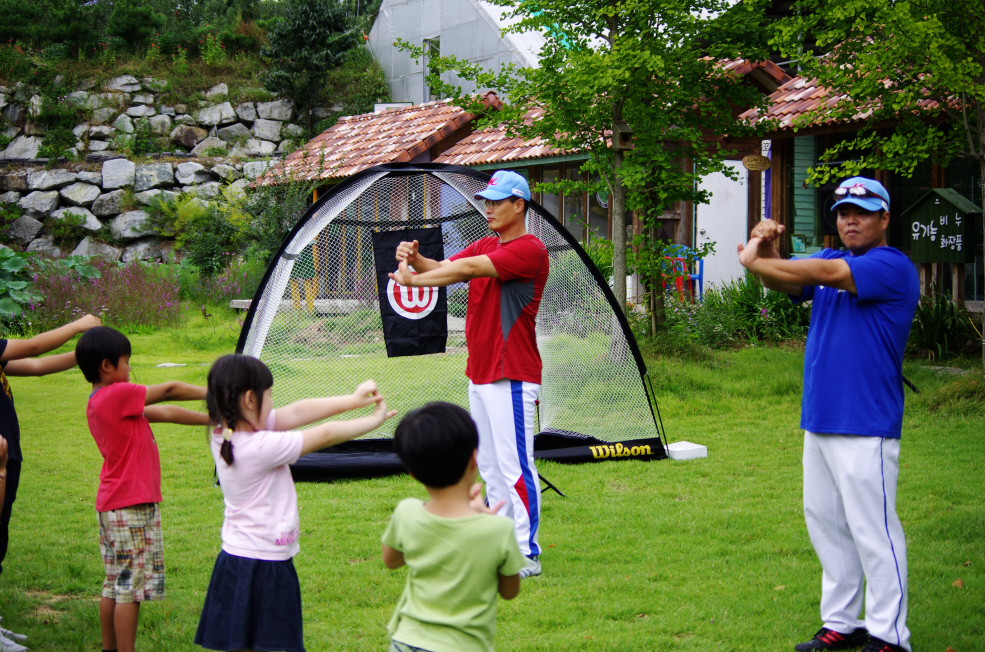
(358, 142)
(790, 103)
(493, 145)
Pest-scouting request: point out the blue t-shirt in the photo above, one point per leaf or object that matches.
(853, 365)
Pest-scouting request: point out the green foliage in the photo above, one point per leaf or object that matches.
(600, 251)
(208, 233)
(737, 312)
(68, 229)
(67, 23)
(939, 329)
(211, 241)
(179, 61)
(356, 85)
(134, 22)
(273, 211)
(313, 37)
(142, 141)
(56, 142)
(21, 22)
(14, 65)
(15, 283)
(213, 50)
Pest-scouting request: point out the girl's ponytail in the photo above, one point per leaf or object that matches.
(229, 378)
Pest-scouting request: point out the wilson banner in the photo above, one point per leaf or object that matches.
(415, 320)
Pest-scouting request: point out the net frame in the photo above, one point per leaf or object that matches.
(276, 288)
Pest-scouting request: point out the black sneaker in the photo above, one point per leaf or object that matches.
(879, 645)
(828, 639)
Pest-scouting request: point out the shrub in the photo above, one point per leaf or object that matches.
(239, 280)
(272, 212)
(67, 230)
(939, 329)
(56, 142)
(14, 64)
(213, 51)
(124, 296)
(740, 311)
(179, 61)
(142, 141)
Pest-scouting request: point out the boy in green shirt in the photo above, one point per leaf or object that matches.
(459, 554)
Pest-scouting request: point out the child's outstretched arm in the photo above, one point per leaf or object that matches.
(49, 340)
(392, 559)
(336, 432)
(40, 366)
(174, 391)
(175, 414)
(301, 413)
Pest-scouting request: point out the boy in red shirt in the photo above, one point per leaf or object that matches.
(507, 273)
(127, 502)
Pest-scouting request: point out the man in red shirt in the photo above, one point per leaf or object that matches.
(506, 275)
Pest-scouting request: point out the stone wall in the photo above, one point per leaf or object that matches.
(248, 129)
(96, 192)
(95, 188)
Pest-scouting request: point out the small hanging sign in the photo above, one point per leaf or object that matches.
(756, 163)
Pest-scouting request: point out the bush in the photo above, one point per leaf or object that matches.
(124, 296)
(239, 280)
(56, 142)
(939, 329)
(737, 312)
(14, 64)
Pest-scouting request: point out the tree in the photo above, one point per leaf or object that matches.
(915, 64)
(134, 21)
(649, 64)
(71, 23)
(313, 36)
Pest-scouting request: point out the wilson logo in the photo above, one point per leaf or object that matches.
(618, 450)
(411, 303)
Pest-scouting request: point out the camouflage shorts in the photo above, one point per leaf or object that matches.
(132, 545)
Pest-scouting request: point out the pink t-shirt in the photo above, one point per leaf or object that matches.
(131, 473)
(501, 317)
(261, 517)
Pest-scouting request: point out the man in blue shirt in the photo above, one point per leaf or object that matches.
(852, 414)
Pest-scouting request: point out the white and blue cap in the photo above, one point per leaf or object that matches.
(867, 194)
(506, 184)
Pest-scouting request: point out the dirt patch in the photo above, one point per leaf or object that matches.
(45, 611)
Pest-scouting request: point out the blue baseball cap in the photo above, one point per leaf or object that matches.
(867, 194)
(506, 184)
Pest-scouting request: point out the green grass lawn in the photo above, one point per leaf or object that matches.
(709, 554)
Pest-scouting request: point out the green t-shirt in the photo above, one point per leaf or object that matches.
(449, 603)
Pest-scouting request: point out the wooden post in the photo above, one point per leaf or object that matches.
(926, 278)
(957, 285)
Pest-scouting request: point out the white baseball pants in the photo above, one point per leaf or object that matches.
(503, 411)
(850, 508)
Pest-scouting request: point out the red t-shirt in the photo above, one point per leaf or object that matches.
(131, 473)
(502, 312)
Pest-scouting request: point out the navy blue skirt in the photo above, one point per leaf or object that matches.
(252, 604)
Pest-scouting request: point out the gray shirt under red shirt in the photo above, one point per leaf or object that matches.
(500, 322)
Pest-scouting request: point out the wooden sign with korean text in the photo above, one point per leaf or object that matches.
(940, 224)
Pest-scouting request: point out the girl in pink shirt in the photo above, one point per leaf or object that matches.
(254, 599)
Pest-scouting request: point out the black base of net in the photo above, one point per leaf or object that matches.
(370, 458)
